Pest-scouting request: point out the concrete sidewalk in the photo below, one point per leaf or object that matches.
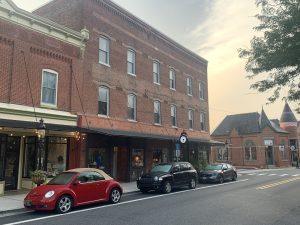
(14, 200)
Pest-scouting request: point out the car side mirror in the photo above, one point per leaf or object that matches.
(175, 169)
(76, 182)
(224, 169)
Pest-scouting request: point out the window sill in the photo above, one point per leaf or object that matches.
(190, 95)
(157, 124)
(133, 121)
(172, 89)
(104, 64)
(103, 116)
(175, 127)
(48, 106)
(131, 74)
(156, 83)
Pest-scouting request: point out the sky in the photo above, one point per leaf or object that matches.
(215, 30)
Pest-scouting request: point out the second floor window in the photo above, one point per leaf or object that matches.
(49, 87)
(157, 117)
(156, 72)
(131, 107)
(173, 116)
(189, 86)
(172, 76)
(103, 101)
(202, 121)
(131, 61)
(104, 50)
(191, 119)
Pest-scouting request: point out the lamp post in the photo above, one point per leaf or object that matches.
(41, 132)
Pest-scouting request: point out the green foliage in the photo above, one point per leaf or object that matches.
(39, 176)
(198, 164)
(277, 52)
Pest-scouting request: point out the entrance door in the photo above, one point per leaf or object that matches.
(12, 163)
(270, 158)
(120, 163)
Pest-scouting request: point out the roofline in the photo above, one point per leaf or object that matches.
(23, 18)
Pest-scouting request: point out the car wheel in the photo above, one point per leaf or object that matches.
(64, 204)
(115, 195)
(221, 179)
(192, 183)
(166, 188)
(234, 178)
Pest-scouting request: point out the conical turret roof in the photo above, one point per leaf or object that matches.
(287, 115)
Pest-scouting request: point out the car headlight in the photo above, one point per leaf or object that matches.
(156, 178)
(49, 194)
(139, 178)
(160, 178)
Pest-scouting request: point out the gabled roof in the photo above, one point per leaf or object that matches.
(246, 123)
(287, 115)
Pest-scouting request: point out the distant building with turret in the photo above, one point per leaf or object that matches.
(253, 140)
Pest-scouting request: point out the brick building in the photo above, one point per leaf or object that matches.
(140, 89)
(255, 141)
(39, 62)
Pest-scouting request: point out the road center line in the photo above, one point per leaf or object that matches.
(127, 202)
(277, 183)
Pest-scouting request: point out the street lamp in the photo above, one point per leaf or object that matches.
(41, 132)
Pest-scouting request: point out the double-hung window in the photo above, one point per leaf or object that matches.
(172, 77)
(131, 107)
(201, 90)
(173, 116)
(202, 121)
(131, 61)
(191, 119)
(250, 151)
(189, 86)
(157, 116)
(49, 87)
(103, 101)
(156, 72)
(104, 50)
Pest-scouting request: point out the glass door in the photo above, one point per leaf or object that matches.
(12, 163)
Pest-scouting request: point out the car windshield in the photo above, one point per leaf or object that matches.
(214, 167)
(61, 179)
(162, 168)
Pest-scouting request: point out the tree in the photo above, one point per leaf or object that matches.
(277, 52)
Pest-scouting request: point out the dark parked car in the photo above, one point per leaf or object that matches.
(164, 177)
(218, 172)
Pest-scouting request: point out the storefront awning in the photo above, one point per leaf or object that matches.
(33, 125)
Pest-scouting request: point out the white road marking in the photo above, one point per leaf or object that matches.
(261, 174)
(123, 203)
(295, 175)
(273, 174)
(251, 174)
(283, 175)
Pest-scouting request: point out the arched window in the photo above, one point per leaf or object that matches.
(250, 150)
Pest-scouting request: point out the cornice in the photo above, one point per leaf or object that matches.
(11, 13)
(146, 28)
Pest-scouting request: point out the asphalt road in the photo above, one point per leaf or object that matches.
(257, 198)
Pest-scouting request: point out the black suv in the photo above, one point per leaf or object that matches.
(165, 176)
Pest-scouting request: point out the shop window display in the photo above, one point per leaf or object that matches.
(97, 158)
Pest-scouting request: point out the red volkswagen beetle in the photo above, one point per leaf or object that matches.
(73, 188)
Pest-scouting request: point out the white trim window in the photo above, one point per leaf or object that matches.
(191, 118)
(49, 87)
(189, 86)
(131, 107)
(131, 61)
(202, 121)
(104, 50)
(201, 90)
(173, 116)
(283, 151)
(157, 115)
(156, 72)
(250, 151)
(103, 101)
(172, 76)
